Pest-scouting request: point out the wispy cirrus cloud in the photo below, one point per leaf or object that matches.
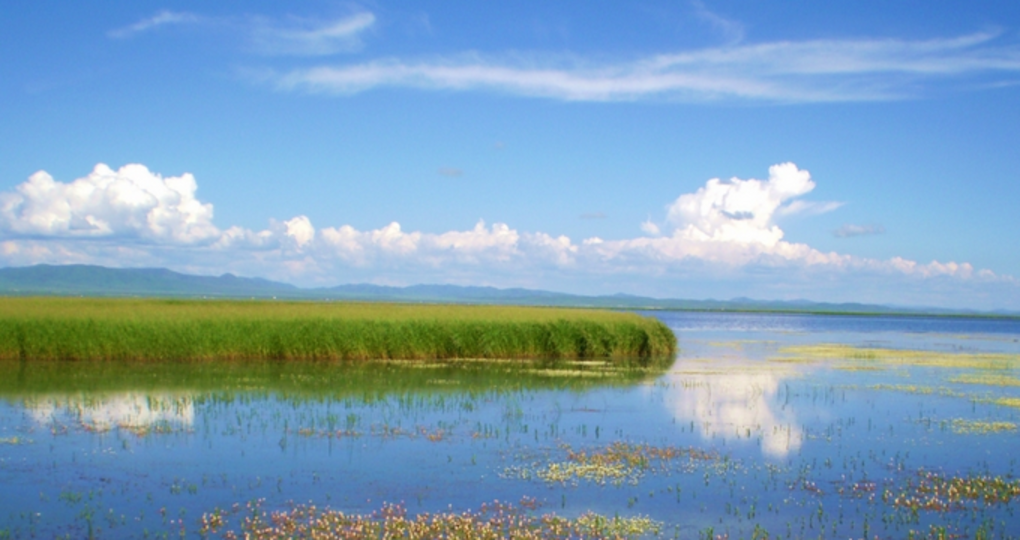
(310, 37)
(293, 36)
(849, 230)
(782, 71)
(160, 19)
(724, 233)
(810, 208)
(732, 31)
(451, 172)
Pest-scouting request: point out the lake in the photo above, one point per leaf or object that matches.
(766, 425)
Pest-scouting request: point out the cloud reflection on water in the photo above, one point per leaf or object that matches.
(127, 410)
(738, 403)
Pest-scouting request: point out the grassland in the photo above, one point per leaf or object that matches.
(66, 329)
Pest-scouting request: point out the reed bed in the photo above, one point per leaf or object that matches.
(191, 330)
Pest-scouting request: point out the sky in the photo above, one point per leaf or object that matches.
(843, 151)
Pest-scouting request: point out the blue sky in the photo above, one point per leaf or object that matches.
(832, 151)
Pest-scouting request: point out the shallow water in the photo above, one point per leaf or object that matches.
(801, 426)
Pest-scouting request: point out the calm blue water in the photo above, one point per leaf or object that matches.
(800, 446)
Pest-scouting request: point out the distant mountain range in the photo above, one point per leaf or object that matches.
(87, 280)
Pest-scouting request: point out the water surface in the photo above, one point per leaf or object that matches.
(798, 426)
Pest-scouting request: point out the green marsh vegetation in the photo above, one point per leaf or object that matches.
(193, 330)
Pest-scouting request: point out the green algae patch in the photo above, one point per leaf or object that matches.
(189, 330)
(862, 357)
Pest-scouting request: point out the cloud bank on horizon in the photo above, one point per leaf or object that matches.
(134, 217)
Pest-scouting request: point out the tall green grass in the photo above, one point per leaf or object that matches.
(147, 329)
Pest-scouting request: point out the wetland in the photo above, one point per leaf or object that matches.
(760, 426)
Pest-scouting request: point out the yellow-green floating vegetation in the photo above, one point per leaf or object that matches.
(915, 389)
(986, 379)
(616, 463)
(863, 356)
(491, 521)
(13, 440)
(1007, 402)
(853, 367)
(152, 329)
(968, 427)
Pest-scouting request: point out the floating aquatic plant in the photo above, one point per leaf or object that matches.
(940, 493)
(1008, 402)
(493, 521)
(617, 463)
(13, 440)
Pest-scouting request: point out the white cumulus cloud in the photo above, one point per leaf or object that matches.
(739, 210)
(729, 222)
(650, 228)
(129, 202)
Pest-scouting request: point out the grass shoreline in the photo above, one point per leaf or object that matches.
(53, 328)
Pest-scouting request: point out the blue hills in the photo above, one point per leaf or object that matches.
(90, 280)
